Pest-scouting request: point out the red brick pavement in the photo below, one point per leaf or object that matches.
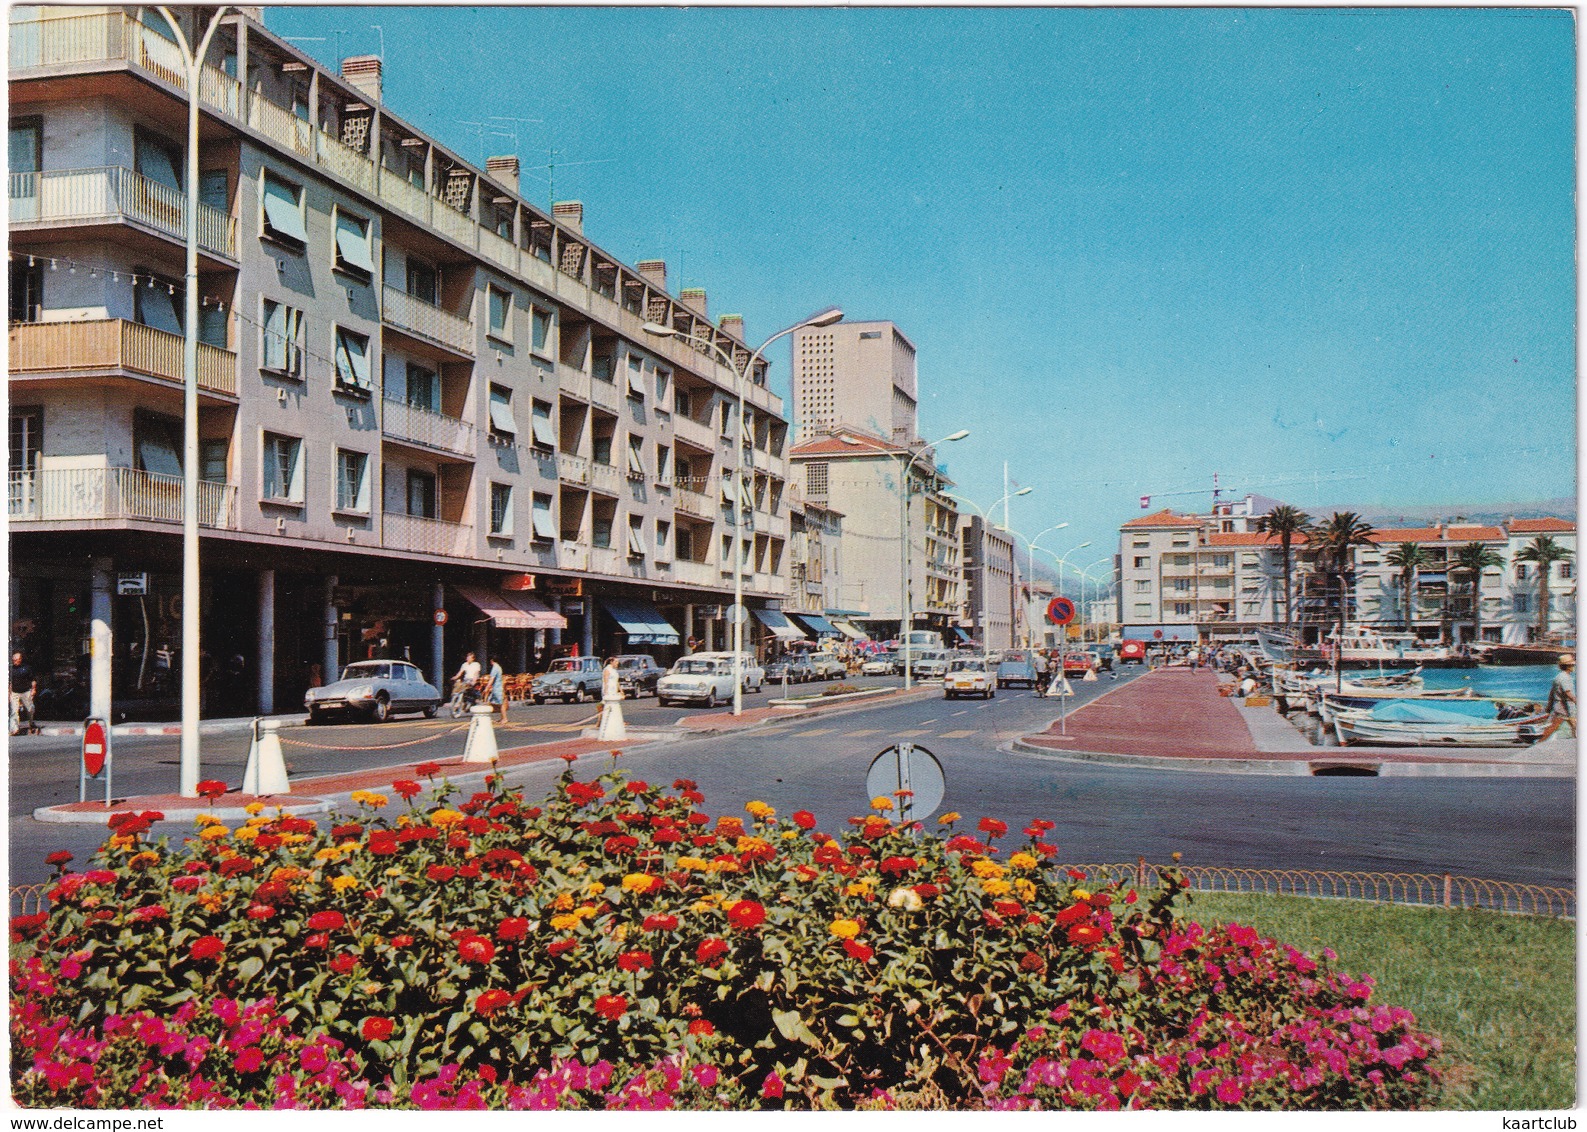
(1169, 713)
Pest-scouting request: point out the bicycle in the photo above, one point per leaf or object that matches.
(464, 697)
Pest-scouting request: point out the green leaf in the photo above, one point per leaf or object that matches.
(792, 1027)
(249, 968)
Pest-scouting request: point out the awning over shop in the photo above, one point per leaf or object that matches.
(961, 635)
(817, 624)
(513, 611)
(850, 631)
(641, 621)
(780, 626)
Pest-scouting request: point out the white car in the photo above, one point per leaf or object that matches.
(882, 664)
(968, 677)
(705, 678)
(754, 675)
(828, 667)
(930, 665)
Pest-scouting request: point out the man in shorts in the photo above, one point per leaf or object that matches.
(24, 686)
(1562, 698)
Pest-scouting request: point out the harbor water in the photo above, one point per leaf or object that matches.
(1509, 682)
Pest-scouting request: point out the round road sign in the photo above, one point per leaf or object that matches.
(440, 617)
(95, 746)
(1060, 611)
(912, 776)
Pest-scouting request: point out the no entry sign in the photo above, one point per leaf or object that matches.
(1060, 611)
(95, 762)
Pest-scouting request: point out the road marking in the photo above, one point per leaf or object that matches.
(912, 734)
(818, 731)
(966, 711)
(857, 734)
(956, 734)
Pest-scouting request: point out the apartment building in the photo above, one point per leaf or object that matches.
(858, 375)
(989, 586)
(1216, 577)
(429, 417)
(869, 480)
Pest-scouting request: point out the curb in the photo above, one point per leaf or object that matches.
(784, 714)
(213, 727)
(59, 815)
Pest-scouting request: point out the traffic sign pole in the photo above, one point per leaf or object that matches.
(96, 757)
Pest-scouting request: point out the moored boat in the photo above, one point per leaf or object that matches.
(1444, 723)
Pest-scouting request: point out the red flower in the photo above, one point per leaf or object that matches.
(400, 941)
(207, 947)
(271, 890)
(804, 819)
(513, 927)
(710, 951)
(476, 949)
(406, 788)
(700, 1028)
(235, 867)
(621, 846)
(427, 770)
(638, 786)
(187, 883)
(211, 788)
(858, 950)
(318, 941)
(248, 1060)
(1030, 961)
(327, 921)
(992, 827)
(828, 854)
(344, 964)
(1006, 907)
(1085, 935)
(1077, 874)
(635, 960)
(898, 866)
(772, 1086)
(491, 1001)
(440, 872)
(746, 914)
(611, 1006)
(59, 857)
(563, 947)
(660, 923)
(378, 1029)
(964, 843)
(927, 891)
(260, 911)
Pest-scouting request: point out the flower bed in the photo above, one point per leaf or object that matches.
(615, 947)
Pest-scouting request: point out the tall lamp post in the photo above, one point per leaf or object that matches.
(1063, 560)
(193, 61)
(1085, 577)
(986, 648)
(1030, 569)
(740, 614)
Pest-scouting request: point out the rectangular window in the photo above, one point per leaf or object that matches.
(352, 361)
(421, 494)
(1181, 585)
(354, 251)
(727, 420)
(502, 426)
(1520, 571)
(663, 464)
(1143, 609)
(501, 509)
(544, 529)
(283, 468)
(27, 439)
(663, 388)
(213, 460)
(636, 456)
(157, 159)
(212, 327)
(159, 305)
(157, 444)
(663, 540)
(540, 326)
(1565, 570)
(352, 480)
(636, 376)
(1142, 562)
(27, 289)
(1523, 603)
(424, 388)
(1181, 609)
(1222, 561)
(601, 531)
(816, 480)
(1143, 587)
(27, 145)
(1181, 560)
(601, 367)
(214, 190)
(281, 339)
(500, 313)
(283, 211)
(423, 283)
(680, 402)
(541, 433)
(636, 537)
(601, 450)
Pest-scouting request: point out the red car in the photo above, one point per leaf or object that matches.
(1077, 663)
(1132, 652)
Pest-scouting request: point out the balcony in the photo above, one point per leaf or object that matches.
(690, 573)
(573, 556)
(115, 194)
(426, 536)
(573, 382)
(693, 433)
(693, 503)
(606, 478)
(427, 429)
(606, 395)
(115, 345)
(573, 469)
(415, 316)
(65, 494)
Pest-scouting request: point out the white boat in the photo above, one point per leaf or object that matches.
(1362, 645)
(1444, 723)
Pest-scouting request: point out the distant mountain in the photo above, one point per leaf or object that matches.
(1477, 514)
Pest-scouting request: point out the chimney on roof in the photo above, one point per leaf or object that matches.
(503, 170)
(694, 299)
(734, 325)
(570, 213)
(654, 272)
(362, 72)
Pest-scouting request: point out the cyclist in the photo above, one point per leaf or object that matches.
(465, 685)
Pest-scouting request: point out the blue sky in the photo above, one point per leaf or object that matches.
(1326, 254)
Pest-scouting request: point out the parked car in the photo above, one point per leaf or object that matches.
(376, 689)
(638, 675)
(703, 678)
(930, 665)
(570, 678)
(880, 664)
(794, 669)
(967, 676)
(754, 675)
(1132, 652)
(827, 666)
(1016, 667)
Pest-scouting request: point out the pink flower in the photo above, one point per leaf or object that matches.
(1229, 1091)
(772, 1086)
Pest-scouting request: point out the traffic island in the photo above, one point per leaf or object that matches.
(1175, 719)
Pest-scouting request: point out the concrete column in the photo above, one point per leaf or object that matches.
(101, 640)
(587, 637)
(438, 640)
(330, 664)
(521, 650)
(710, 634)
(265, 662)
(556, 604)
(688, 625)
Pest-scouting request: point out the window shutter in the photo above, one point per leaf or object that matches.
(352, 242)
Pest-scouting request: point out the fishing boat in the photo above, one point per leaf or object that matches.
(1520, 654)
(1444, 723)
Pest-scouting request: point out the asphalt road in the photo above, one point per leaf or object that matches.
(1513, 829)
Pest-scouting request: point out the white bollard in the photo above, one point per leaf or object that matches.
(266, 772)
(480, 746)
(612, 728)
(1090, 677)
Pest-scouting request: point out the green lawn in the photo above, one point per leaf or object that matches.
(1499, 990)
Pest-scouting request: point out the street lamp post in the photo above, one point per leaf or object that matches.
(1063, 559)
(1030, 568)
(1085, 610)
(907, 620)
(986, 648)
(193, 61)
(740, 614)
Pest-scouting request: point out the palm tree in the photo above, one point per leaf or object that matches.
(1544, 551)
(1473, 559)
(1334, 544)
(1408, 557)
(1286, 522)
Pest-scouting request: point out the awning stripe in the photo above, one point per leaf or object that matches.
(850, 631)
(817, 624)
(512, 611)
(778, 624)
(640, 620)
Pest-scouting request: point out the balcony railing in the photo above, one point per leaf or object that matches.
(573, 556)
(693, 503)
(692, 573)
(606, 394)
(605, 477)
(427, 536)
(431, 429)
(413, 314)
(54, 494)
(116, 344)
(115, 193)
(572, 469)
(693, 432)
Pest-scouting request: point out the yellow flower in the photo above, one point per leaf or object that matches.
(287, 873)
(565, 922)
(906, 898)
(344, 882)
(211, 901)
(760, 810)
(207, 819)
(256, 822)
(860, 888)
(996, 887)
(247, 834)
(697, 864)
(214, 832)
(948, 818)
(702, 906)
(881, 803)
(444, 818)
(371, 799)
(123, 841)
(145, 857)
(1080, 896)
(563, 901)
(789, 835)
(584, 911)
(639, 882)
(294, 838)
(1022, 861)
(1025, 889)
(594, 888)
(986, 870)
(329, 853)
(393, 872)
(845, 929)
(725, 865)
(253, 808)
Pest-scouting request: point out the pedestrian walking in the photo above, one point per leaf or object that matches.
(611, 727)
(1561, 698)
(496, 693)
(1040, 662)
(24, 687)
